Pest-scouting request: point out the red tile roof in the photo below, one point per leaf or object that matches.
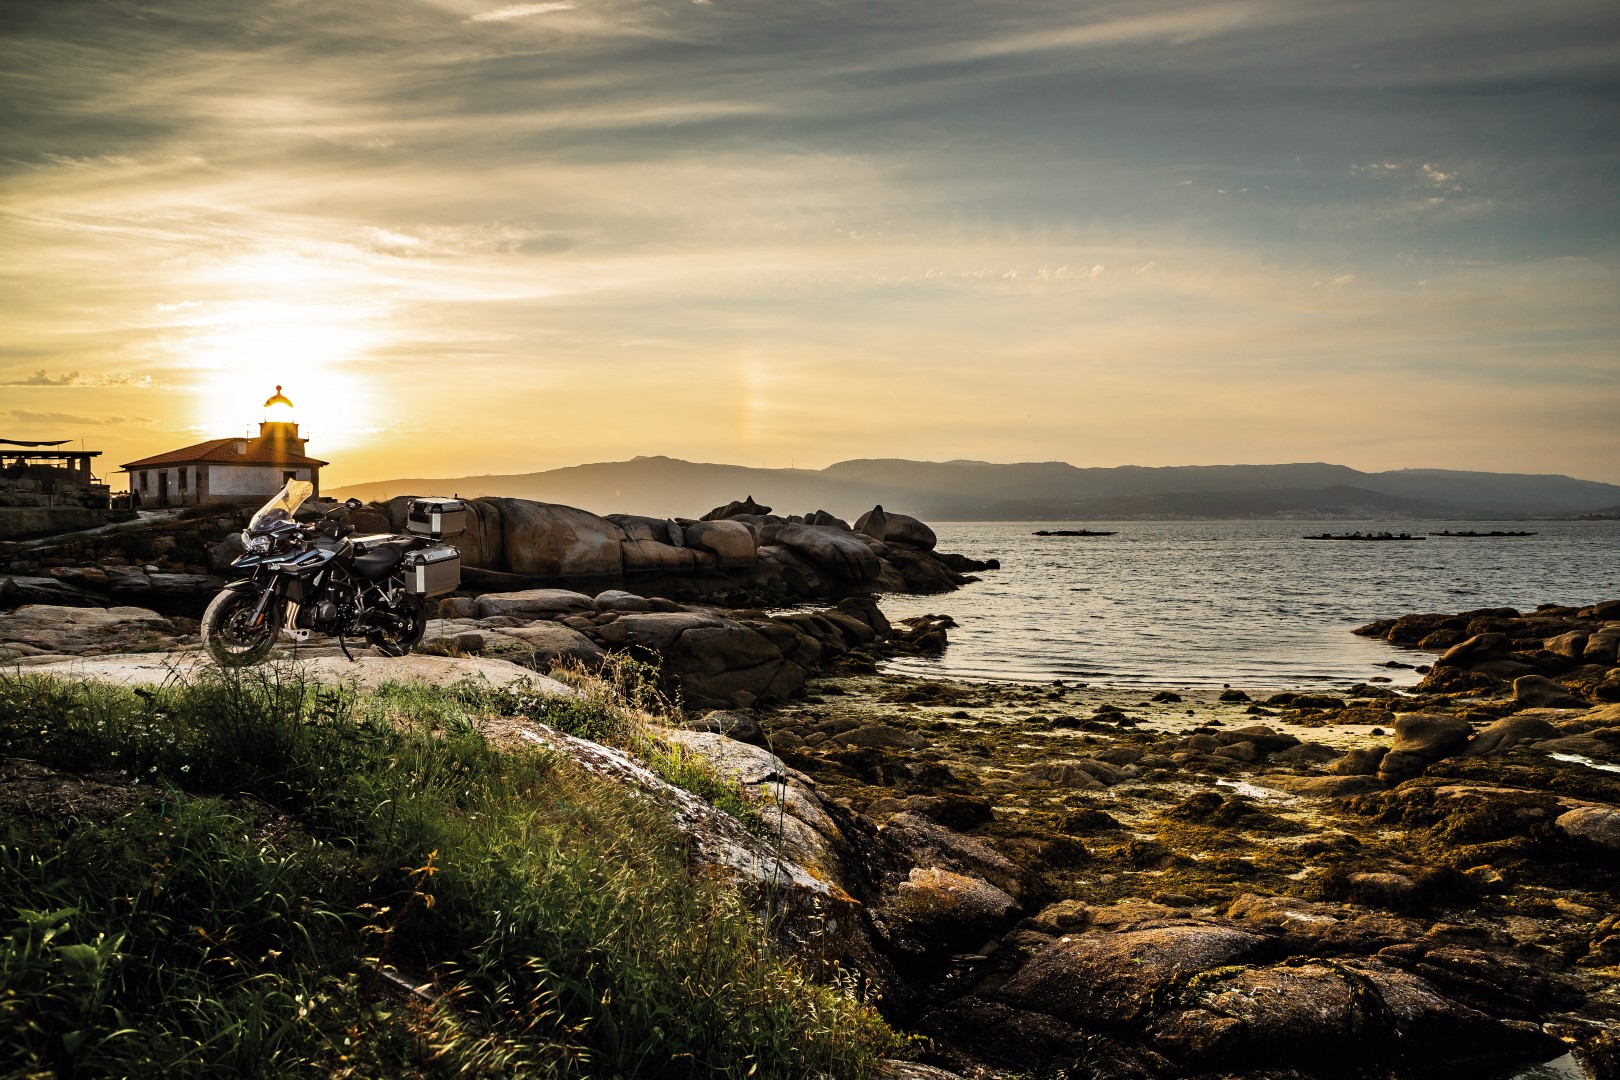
(223, 452)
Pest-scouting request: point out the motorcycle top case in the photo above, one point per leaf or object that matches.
(433, 571)
(437, 517)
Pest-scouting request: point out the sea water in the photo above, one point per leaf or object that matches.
(1246, 603)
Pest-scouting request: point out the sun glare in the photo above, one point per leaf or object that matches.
(242, 351)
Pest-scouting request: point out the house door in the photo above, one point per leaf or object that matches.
(163, 488)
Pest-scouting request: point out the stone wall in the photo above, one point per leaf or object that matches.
(27, 522)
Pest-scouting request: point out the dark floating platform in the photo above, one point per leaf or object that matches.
(1071, 532)
(1365, 536)
(1493, 532)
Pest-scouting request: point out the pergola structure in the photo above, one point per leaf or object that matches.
(39, 473)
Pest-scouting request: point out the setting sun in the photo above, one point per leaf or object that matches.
(243, 350)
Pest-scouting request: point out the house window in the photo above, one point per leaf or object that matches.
(290, 474)
(182, 479)
(146, 481)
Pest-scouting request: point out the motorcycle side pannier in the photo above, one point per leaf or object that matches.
(437, 517)
(433, 571)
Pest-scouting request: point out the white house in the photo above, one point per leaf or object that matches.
(243, 470)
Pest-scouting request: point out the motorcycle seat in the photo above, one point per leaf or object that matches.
(379, 562)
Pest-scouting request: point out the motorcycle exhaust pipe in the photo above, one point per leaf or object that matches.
(289, 625)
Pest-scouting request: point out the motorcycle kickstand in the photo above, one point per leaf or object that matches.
(344, 645)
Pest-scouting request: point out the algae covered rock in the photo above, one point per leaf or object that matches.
(1537, 692)
(1510, 731)
(935, 909)
(1421, 739)
(1117, 978)
(1599, 825)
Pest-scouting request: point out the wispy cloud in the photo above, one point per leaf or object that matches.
(74, 378)
(521, 11)
(35, 419)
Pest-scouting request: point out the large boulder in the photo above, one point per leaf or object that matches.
(713, 662)
(1421, 739)
(1510, 731)
(231, 547)
(534, 603)
(1537, 692)
(922, 572)
(1309, 1012)
(730, 542)
(834, 549)
(483, 545)
(938, 910)
(1475, 650)
(732, 509)
(553, 643)
(619, 600)
(1602, 646)
(1570, 646)
(798, 575)
(653, 555)
(18, 591)
(831, 521)
(915, 840)
(656, 630)
(1599, 825)
(896, 529)
(638, 527)
(1115, 979)
(550, 540)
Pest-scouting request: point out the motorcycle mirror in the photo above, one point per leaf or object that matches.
(352, 504)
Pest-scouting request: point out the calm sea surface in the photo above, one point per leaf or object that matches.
(1249, 603)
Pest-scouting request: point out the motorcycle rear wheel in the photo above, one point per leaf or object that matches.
(410, 622)
(226, 633)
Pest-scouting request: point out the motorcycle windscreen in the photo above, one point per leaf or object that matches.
(283, 505)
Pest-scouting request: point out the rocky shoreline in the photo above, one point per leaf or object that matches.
(1075, 880)
(1367, 884)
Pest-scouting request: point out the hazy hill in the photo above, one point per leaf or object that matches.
(1047, 490)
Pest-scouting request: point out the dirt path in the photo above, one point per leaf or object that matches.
(366, 671)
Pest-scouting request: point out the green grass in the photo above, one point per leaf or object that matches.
(286, 842)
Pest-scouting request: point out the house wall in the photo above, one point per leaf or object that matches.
(213, 483)
(238, 483)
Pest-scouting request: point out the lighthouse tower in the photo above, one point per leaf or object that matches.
(278, 428)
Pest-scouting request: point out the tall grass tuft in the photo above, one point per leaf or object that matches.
(294, 853)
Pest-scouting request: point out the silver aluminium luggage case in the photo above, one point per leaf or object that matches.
(437, 518)
(433, 571)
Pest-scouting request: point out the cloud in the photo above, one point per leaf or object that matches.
(521, 11)
(73, 378)
(24, 416)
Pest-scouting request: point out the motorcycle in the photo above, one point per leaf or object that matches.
(302, 578)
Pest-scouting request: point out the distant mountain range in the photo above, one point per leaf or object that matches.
(1030, 491)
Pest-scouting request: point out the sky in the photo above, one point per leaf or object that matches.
(470, 236)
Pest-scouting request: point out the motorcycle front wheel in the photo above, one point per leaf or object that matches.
(229, 634)
(405, 622)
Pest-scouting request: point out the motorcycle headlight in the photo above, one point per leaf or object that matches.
(259, 545)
